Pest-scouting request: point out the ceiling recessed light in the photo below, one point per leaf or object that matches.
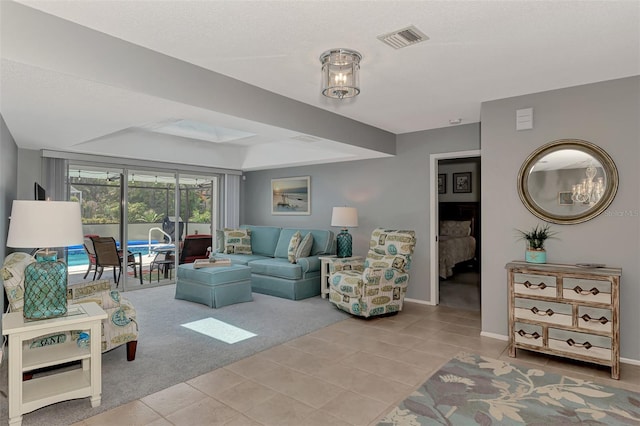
(455, 121)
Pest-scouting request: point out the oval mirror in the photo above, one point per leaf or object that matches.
(568, 181)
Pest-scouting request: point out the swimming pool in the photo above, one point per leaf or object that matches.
(77, 256)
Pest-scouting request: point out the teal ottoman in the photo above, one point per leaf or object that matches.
(214, 286)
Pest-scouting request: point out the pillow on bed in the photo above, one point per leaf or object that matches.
(455, 228)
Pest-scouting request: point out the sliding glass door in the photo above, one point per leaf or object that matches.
(150, 214)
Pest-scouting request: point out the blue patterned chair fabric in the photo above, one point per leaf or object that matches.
(119, 328)
(378, 285)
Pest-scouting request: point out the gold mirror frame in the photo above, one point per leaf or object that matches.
(611, 176)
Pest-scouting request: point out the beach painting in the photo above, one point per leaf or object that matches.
(291, 196)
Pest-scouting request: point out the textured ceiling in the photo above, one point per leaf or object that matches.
(477, 51)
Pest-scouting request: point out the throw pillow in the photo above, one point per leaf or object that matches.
(293, 246)
(237, 241)
(304, 248)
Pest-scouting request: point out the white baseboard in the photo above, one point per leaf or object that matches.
(494, 335)
(504, 337)
(421, 302)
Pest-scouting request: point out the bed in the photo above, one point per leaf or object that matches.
(458, 235)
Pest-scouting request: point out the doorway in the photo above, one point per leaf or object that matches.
(455, 225)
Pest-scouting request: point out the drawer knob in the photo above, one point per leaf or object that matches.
(585, 345)
(549, 312)
(540, 286)
(579, 290)
(601, 320)
(526, 335)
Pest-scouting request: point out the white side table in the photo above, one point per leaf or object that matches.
(325, 262)
(25, 397)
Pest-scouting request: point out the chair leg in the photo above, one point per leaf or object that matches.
(87, 273)
(131, 350)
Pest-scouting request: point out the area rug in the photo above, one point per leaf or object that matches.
(472, 389)
(170, 353)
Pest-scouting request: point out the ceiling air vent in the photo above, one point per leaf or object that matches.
(306, 138)
(404, 37)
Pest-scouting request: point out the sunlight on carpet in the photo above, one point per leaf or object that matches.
(219, 330)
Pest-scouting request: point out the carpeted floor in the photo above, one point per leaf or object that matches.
(472, 389)
(169, 353)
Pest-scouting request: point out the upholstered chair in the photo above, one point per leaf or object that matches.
(377, 285)
(118, 328)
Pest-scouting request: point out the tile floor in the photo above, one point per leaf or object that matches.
(350, 373)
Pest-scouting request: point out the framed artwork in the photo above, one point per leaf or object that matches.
(442, 183)
(462, 182)
(564, 198)
(291, 196)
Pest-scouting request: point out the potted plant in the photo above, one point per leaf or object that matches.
(535, 238)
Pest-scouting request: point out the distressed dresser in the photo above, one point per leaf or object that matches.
(565, 310)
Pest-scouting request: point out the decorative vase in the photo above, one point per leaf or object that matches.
(344, 243)
(45, 287)
(536, 255)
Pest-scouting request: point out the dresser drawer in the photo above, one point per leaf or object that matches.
(595, 319)
(528, 334)
(542, 311)
(586, 290)
(533, 284)
(580, 343)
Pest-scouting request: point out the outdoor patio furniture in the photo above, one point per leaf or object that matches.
(91, 253)
(108, 255)
(195, 247)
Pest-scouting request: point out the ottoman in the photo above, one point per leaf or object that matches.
(214, 286)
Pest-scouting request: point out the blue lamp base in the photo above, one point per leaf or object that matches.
(344, 243)
(45, 287)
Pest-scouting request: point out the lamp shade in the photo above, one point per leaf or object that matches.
(346, 217)
(43, 224)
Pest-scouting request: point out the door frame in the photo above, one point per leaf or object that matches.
(434, 298)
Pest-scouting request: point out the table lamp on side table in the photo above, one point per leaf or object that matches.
(344, 217)
(37, 224)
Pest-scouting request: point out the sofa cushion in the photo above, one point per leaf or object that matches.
(237, 241)
(241, 259)
(304, 247)
(263, 239)
(293, 247)
(323, 241)
(277, 267)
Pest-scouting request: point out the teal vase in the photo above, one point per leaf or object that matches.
(344, 244)
(45, 287)
(536, 256)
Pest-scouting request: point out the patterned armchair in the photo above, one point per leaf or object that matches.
(119, 328)
(376, 286)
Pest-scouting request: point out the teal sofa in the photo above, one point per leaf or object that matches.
(271, 271)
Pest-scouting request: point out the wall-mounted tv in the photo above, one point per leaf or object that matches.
(38, 192)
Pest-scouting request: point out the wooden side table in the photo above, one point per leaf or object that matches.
(25, 397)
(325, 262)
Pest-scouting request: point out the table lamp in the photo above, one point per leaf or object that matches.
(50, 224)
(344, 217)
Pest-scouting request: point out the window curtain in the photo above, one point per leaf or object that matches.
(54, 174)
(232, 201)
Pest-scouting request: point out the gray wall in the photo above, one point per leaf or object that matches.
(606, 114)
(29, 171)
(8, 185)
(390, 192)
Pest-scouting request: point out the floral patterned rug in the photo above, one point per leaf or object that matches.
(471, 389)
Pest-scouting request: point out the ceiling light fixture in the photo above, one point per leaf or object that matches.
(340, 73)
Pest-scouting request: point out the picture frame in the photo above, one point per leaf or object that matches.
(565, 198)
(442, 183)
(462, 182)
(291, 196)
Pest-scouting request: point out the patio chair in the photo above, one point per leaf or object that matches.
(197, 246)
(108, 255)
(91, 253)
